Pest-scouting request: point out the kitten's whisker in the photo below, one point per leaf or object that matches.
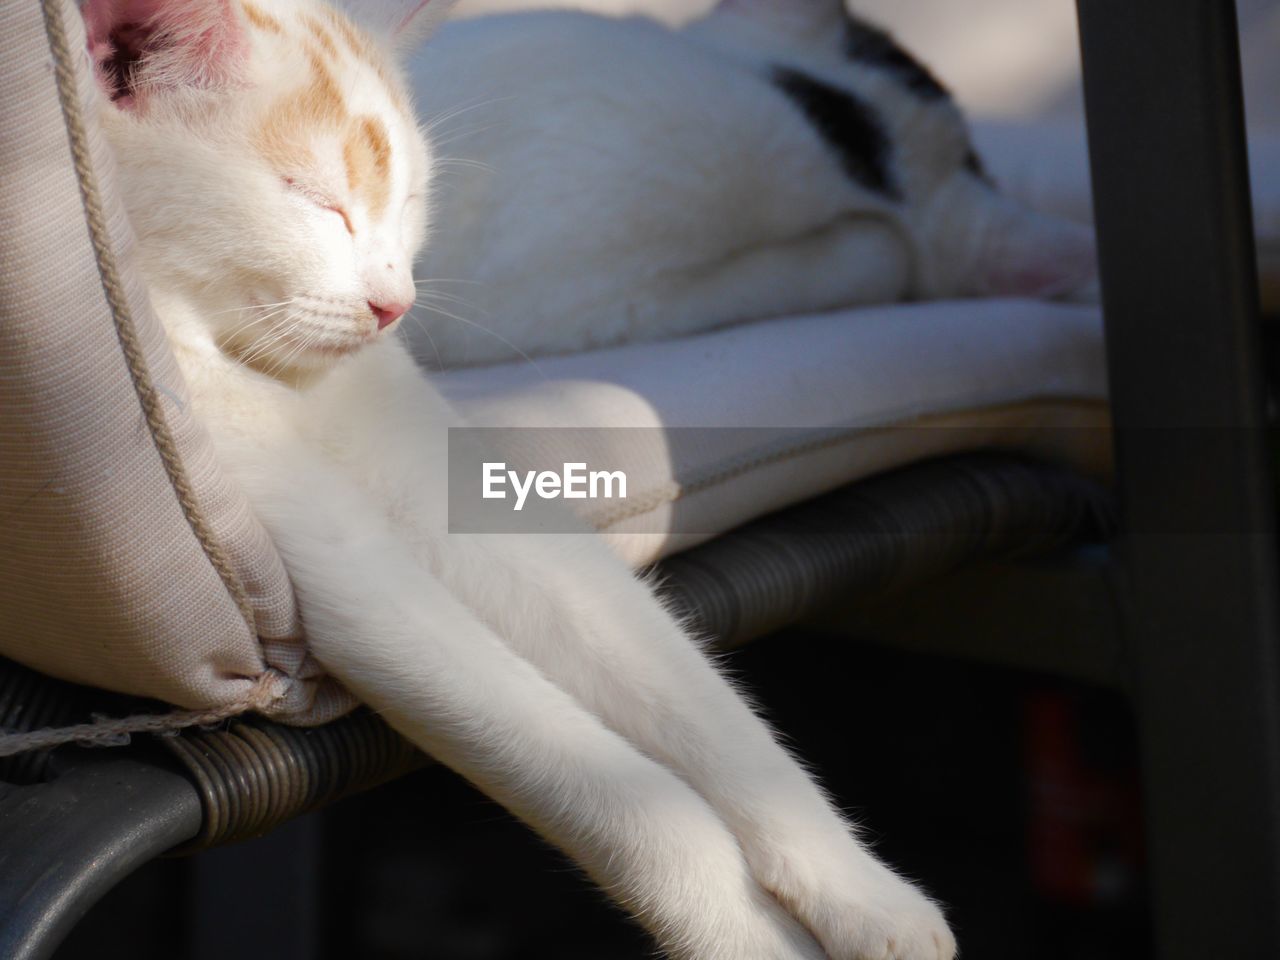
(268, 318)
(461, 133)
(252, 306)
(282, 361)
(428, 126)
(430, 339)
(269, 342)
(497, 336)
(304, 344)
(450, 298)
(464, 162)
(268, 346)
(254, 321)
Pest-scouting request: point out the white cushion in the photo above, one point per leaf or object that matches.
(800, 406)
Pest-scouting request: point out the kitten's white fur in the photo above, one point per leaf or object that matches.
(537, 667)
(668, 179)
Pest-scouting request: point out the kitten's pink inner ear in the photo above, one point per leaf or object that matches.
(168, 43)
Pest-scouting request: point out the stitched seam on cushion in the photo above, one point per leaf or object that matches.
(745, 463)
(148, 396)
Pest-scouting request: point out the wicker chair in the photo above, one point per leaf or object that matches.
(1194, 561)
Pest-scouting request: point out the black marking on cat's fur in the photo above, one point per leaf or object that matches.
(850, 126)
(875, 48)
(973, 163)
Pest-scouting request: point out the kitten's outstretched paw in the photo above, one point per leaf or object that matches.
(776, 935)
(857, 908)
(890, 920)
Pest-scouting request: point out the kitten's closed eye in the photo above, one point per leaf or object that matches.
(321, 200)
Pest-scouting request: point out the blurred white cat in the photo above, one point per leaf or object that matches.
(612, 180)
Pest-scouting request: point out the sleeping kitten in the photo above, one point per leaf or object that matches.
(271, 163)
(618, 181)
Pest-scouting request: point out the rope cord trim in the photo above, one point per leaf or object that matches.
(148, 396)
(117, 732)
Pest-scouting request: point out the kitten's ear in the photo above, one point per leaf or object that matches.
(403, 23)
(142, 47)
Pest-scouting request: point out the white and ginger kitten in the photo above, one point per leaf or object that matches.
(616, 180)
(276, 177)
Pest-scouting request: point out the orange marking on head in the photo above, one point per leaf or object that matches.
(363, 48)
(366, 152)
(375, 135)
(285, 136)
(359, 44)
(260, 18)
(282, 139)
(323, 98)
(321, 35)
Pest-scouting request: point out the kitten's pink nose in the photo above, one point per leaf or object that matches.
(388, 313)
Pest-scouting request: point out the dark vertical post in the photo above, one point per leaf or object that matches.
(1171, 199)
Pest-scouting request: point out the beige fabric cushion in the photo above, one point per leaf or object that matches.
(126, 559)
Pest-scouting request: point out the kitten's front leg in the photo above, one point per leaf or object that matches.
(572, 608)
(575, 611)
(383, 625)
(441, 678)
